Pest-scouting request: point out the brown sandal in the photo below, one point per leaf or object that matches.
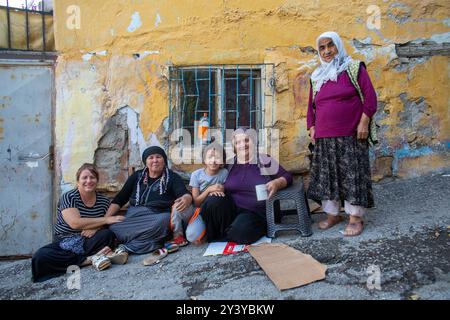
(354, 229)
(328, 223)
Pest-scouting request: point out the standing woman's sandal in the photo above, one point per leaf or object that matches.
(328, 223)
(354, 229)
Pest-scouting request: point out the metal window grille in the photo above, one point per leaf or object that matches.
(230, 96)
(27, 10)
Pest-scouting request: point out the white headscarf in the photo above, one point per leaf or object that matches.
(330, 70)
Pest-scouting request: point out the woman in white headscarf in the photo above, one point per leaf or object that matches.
(342, 101)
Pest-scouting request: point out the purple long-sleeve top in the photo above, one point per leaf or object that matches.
(339, 107)
(243, 178)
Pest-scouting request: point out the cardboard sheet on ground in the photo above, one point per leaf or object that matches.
(287, 267)
(216, 248)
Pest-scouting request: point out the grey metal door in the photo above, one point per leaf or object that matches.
(25, 149)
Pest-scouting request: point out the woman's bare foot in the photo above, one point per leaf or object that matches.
(86, 262)
(354, 227)
(105, 250)
(330, 221)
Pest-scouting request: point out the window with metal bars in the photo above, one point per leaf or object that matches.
(229, 96)
(27, 25)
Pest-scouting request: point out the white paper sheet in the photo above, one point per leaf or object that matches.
(218, 248)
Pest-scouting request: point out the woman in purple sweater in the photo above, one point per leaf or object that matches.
(239, 216)
(338, 121)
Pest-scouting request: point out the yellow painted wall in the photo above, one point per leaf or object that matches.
(97, 73)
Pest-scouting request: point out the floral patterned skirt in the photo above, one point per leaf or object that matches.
(340, 171)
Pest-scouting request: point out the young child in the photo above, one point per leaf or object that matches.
(210, 179)
(204, 182)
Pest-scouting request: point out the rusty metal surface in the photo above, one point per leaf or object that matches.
(25, 149)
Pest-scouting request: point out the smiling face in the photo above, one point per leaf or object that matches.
(213, 159)
(244, 147)
(155, 164)
(327, 49)
(87, 181)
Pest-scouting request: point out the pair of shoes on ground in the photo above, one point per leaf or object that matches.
(155, 257)
(119, 256)
(352, 229)
(176, 243)
(169, 247)
(105, 257)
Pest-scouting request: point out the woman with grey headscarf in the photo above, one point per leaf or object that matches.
(342, 101)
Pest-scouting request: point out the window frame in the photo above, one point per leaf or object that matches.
(266, 95)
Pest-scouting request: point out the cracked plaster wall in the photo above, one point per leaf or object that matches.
(120, 58)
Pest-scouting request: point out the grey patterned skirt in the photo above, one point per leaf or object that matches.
(340, 171)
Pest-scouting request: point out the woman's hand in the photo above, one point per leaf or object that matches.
(183, 202)
(114, 219)
(362, 131)
(217, 194)
(216, 188)
(275, 185)
(312, 132)
(88, 233)
(272, 187)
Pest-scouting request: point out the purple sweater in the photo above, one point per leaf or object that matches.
(241, 182)
(338, 106)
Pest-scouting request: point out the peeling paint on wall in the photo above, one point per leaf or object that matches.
(406, 152)
(111, 155)
(399, 12)
(137, 141)
(87, 57)
(309, 65)
(441, 38)
(119, 148)
(142, 55)
(157, 20)
(371, 52)
(135, 23)
(65, 187)
(32, 164)
(67, 151)
(407, 59)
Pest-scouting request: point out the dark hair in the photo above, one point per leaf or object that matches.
(87, 166)
(214, 146)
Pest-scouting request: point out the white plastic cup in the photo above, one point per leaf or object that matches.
(261, 192)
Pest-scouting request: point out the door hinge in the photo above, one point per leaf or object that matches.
(51, 161)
